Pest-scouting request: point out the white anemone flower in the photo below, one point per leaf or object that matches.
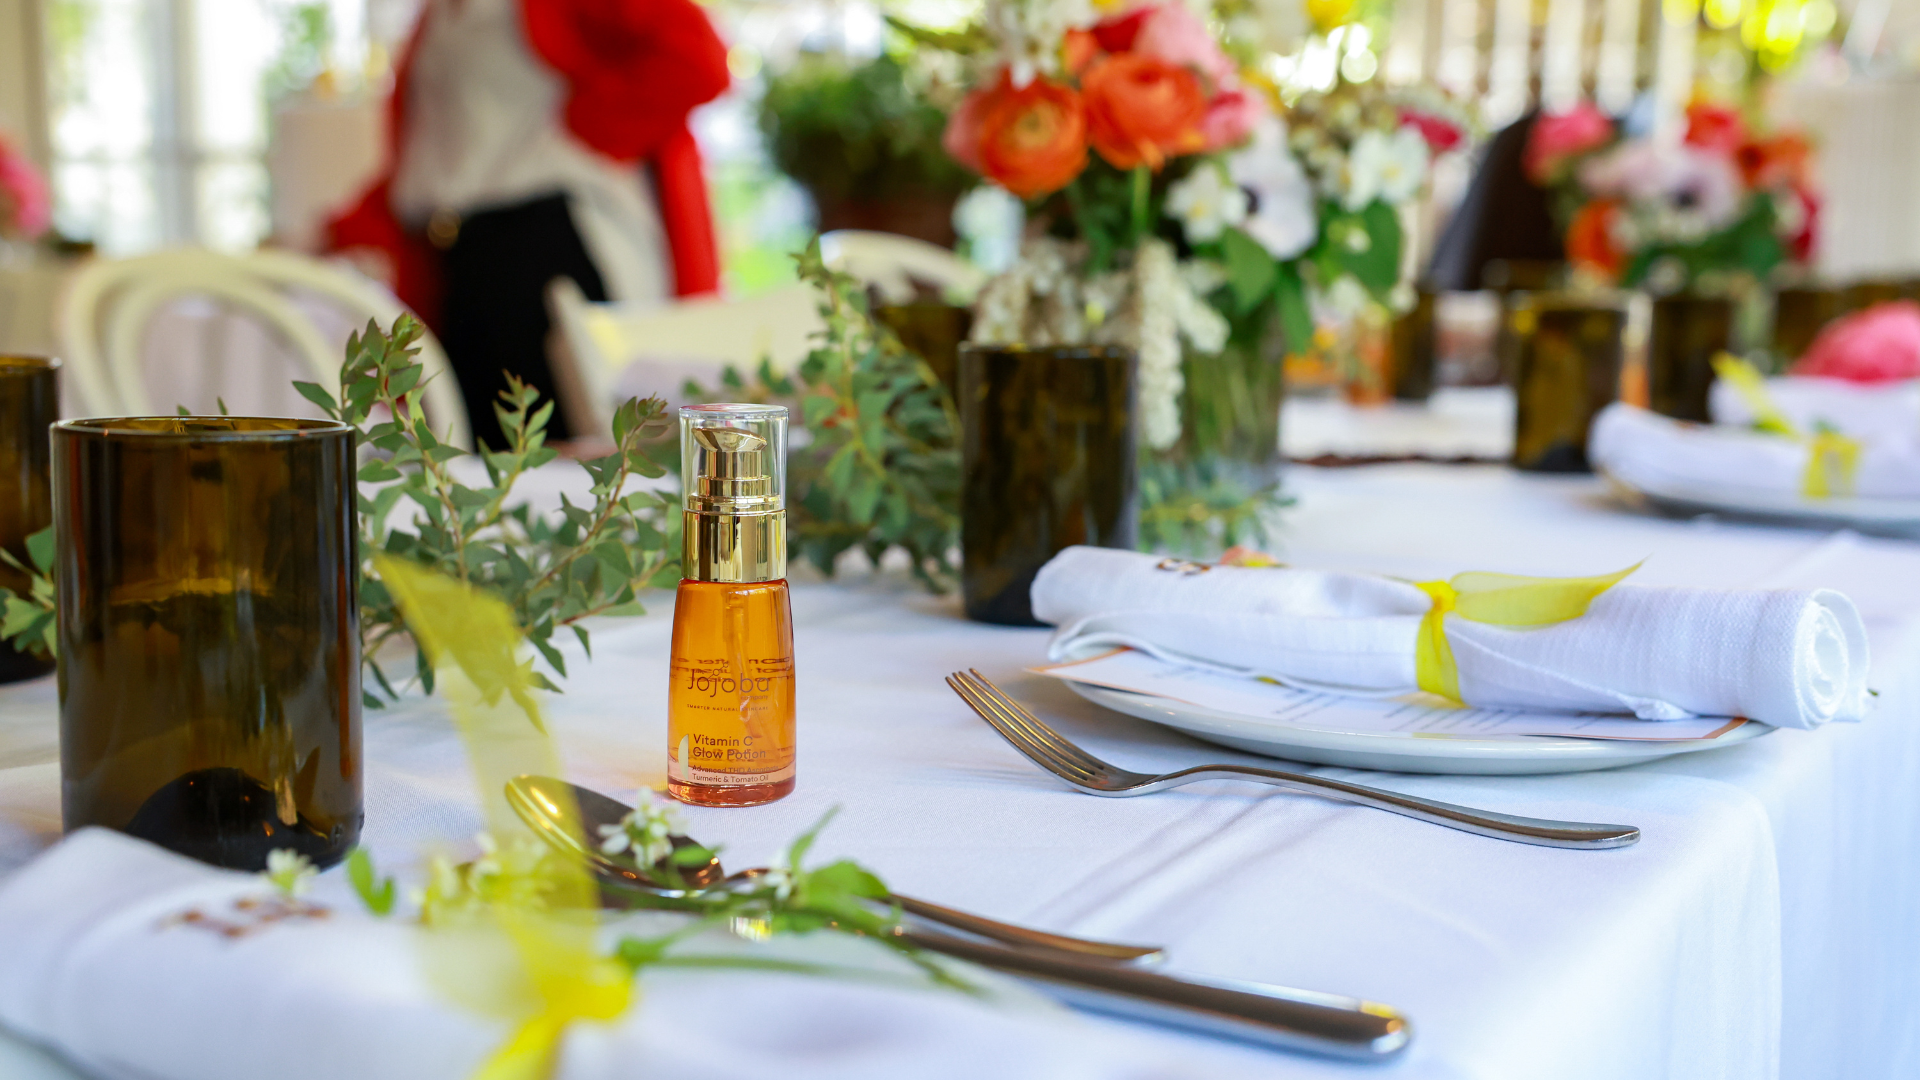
(1206, 202)
(1284, 217)
(1390, 168)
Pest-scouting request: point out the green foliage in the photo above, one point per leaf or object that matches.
(1750, 245)
(591, 560)
(1364, 244)
(1198, 508)
(378, 893)
(1111, 209)
(790, 899)
(27, 622)
(306, 37)
(857, 132)
(881, 464)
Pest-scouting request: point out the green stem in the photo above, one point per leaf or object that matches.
(1142, 188)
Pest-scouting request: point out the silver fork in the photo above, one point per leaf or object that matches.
(1051, 751)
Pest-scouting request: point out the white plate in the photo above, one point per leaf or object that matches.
(1421, 753)
(1881, 517)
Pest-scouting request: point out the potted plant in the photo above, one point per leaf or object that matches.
(865, 143)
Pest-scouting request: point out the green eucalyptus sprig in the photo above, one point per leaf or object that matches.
(881, 466)
(27, 622)
(840, 897)
(553, 573)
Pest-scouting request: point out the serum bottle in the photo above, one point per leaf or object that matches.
(730, 729)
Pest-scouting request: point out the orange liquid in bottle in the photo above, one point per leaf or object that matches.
(730, 716)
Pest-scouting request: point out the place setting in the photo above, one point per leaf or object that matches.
(1292, 539)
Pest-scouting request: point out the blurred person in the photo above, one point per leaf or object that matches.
(531, 140)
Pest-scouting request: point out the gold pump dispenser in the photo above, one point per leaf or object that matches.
(735, 512)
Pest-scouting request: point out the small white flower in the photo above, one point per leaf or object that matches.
(1342, 302)
(1027, 33)
(781, 878)
(1390, 168)
(289, 872)
(647, 831)
(1206, 203)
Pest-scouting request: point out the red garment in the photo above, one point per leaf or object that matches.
(634, 70)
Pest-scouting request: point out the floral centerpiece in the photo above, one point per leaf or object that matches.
(1641, 210)
(1177, 206)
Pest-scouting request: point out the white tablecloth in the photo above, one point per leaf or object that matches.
(1458, 421)
(1764, 927)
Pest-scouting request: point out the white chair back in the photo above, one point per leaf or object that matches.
(892, 263)
(109, 306)
(614, 350)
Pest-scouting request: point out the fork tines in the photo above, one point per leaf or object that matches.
(1033, 738)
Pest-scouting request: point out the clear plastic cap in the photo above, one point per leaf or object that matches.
(733, 458)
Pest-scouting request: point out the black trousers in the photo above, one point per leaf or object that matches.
(494, 313)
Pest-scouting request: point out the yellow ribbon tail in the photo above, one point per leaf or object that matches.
(1747, 381)
(549, 925)
(1498, 600)
(598, 989)
(530, 1054)
(1515, 600)
(1833, 460)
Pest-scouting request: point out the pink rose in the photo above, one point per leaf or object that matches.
(1557, 137)
(24, 194)
(1880, 344)
(1175, 34)
(1441, 135)
(1231, 117)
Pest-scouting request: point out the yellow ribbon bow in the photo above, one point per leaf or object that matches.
(1832, 458)
(550, 947)
(1500, 600)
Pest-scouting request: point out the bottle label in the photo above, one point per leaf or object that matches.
(720, 762)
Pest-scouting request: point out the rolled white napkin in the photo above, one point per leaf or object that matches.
(1665, 456)
(1862, 410)
(96, 964)
(1787, 657)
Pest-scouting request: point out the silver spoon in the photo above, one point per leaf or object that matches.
(539, 801)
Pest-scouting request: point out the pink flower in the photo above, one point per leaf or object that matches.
(1231, 117)
(1173, 33)
(1442, 135)
(1880, 344)
(1558, 137)
(27, 210)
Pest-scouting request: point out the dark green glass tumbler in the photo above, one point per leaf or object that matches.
(29, 404)
(1568, 350)
(1047, 461)
(1688, 332)
(208, 587)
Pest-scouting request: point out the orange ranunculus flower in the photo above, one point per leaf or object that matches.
(1078, 49)
(1031, 140)
(1590, 239)
(1781, 161)
(1141, 109)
